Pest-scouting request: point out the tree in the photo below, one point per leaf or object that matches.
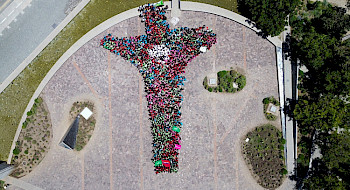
(313, 49)
(334, 21)
(320, 177)
(326, 114)
(268, 15)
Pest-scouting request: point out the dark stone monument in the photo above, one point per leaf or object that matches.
(70, 138)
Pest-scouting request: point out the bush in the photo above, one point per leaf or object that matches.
(221, 74)
(29, 113)
(210, 89)
(16, 151)
(283, 141)
(25, 123)
(284, 171)
(26, 152)
(266, 101)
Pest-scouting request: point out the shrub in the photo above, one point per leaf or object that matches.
(25, 123)
(221, 74)
(210, 89)
(284, 171)
(16, 151)
(283, 141)
(29, 113)
(266, 100)
(26, 151)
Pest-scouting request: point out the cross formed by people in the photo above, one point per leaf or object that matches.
(161, 57)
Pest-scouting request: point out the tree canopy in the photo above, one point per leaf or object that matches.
(268, 15)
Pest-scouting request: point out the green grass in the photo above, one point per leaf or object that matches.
(15, 98)
(226, 4)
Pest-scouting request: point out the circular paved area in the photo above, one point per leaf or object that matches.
(119, 152)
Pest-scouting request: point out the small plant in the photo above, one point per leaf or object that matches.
(266, 102)
(16, 151)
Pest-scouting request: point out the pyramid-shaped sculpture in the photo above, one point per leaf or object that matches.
(70, 138)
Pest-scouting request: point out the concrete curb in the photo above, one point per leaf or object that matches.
(194, 6)
(29, 59)
(42, 45)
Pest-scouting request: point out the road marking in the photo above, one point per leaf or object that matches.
(239, 114)
(140, 121)
(110, 121)
(3, 20)
(19, 4)
(11, 13)
(82, 172)
(215, 145)
(3, 5)
(244, 49)
(86, 80)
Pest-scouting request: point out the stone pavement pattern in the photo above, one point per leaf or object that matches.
(119, 152)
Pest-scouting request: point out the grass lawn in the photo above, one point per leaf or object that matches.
(14, 99)
(226, 4)
(264, 155)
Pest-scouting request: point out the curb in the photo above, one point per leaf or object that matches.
(29, 59)
(42, 45)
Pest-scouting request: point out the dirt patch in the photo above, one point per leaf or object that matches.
(264, 155)
(34, 140)
(86, 127)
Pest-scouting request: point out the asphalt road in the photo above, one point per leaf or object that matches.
(4, 4)
(27, 32)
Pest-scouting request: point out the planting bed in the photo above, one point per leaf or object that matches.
(226, 81)
(266, 102)
(34, 140)
(86, 127)
(264, 155)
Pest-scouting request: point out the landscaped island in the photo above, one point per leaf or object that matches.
(227, 81)
(263, 152)
(34, 140)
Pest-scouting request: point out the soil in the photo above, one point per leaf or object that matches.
(86, 127)
(34, 140)
(264, 155)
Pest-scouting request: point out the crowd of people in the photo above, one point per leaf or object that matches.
(161, 57)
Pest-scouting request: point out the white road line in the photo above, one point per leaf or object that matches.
(11, 12)
(19, 4)
(3, 20)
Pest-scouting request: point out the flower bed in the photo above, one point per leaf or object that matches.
(226, 82)
(34, 140)
(266, 102)
(264, 155)
(161, 57)
(86, 127)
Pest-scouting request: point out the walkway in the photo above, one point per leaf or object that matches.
(210, 139)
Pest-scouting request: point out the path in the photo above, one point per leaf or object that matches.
(130, 150)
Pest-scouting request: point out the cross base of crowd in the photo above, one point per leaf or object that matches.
(161, 57)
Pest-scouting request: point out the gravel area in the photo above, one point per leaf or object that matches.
(118, 156)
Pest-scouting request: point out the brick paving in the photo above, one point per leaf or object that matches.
(214, 124)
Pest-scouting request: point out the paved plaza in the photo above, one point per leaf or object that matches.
(119, 153)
